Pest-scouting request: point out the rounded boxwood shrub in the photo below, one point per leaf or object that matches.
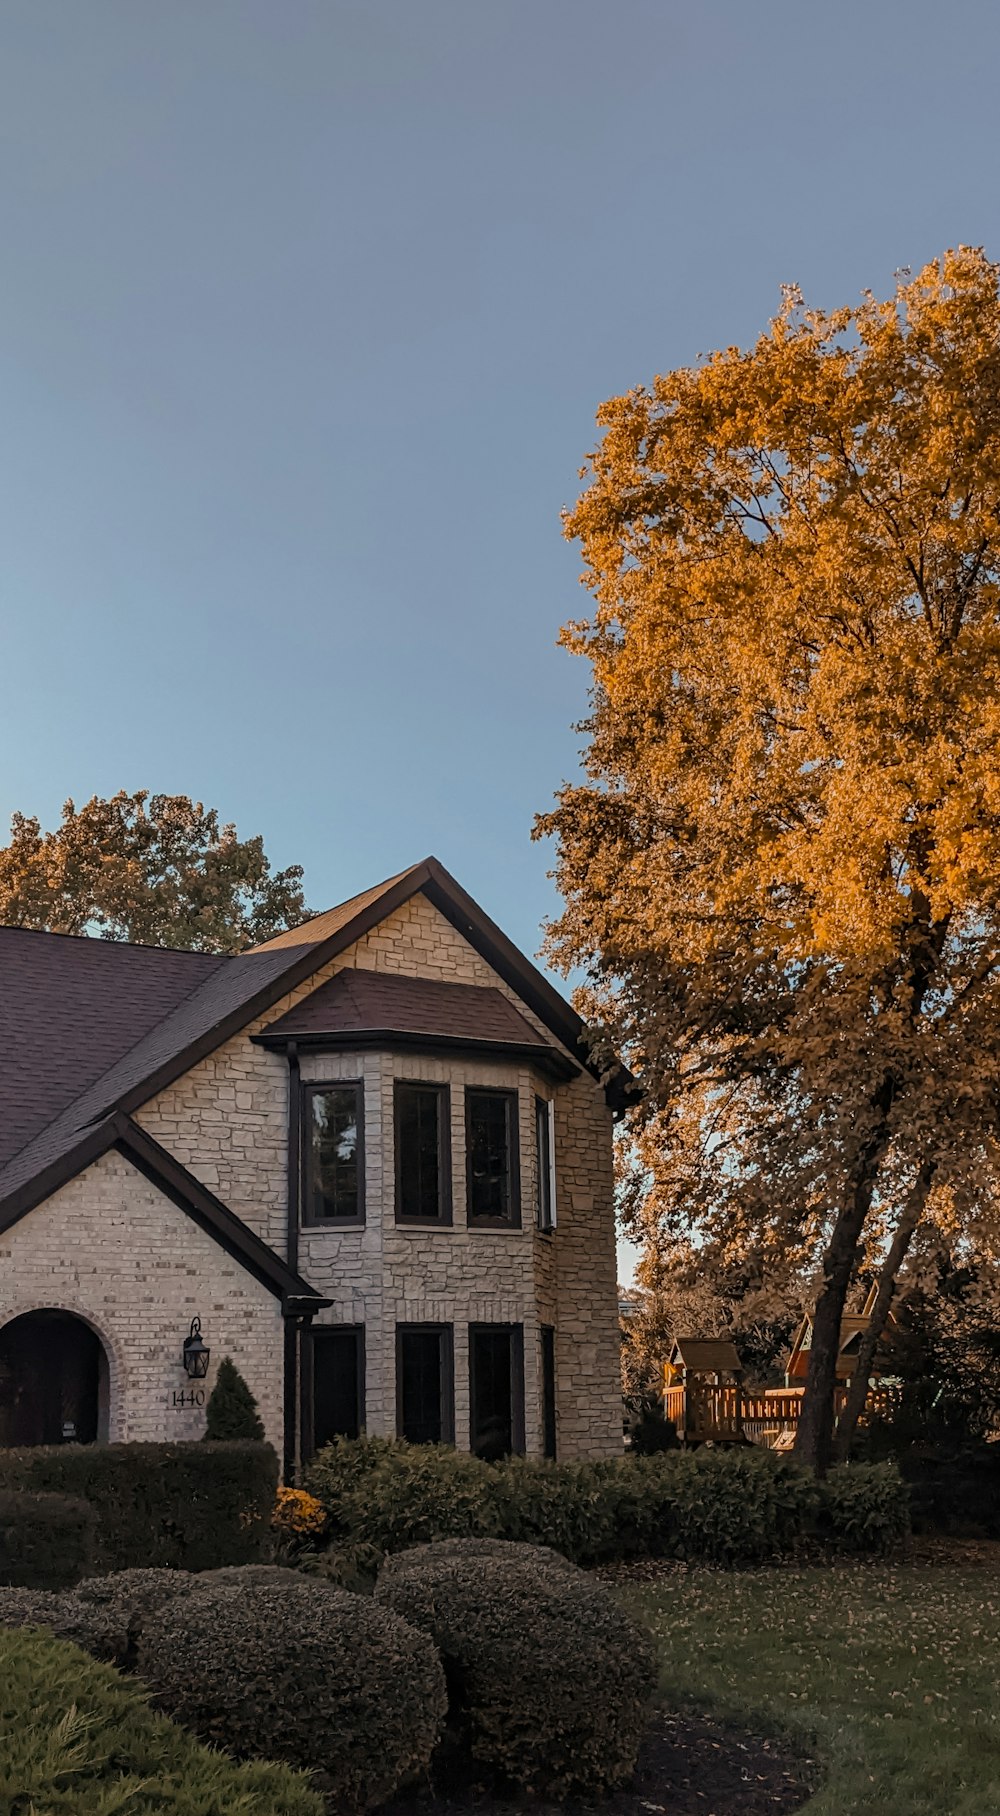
(549, 1678)
(81, 1740)
(98, 1630)
(418, 1557)
(46, 1540)
(127, 1598)
(300, 1672)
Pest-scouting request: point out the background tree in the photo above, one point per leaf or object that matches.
(232, 1410)
(158, 870)
(783, 874)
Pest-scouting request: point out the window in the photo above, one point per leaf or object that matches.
(548, 1337)
(423, 1153)
(338, 1382)
(496, 1390)
(545, 1198)
(491, 1149)
(425, 1397)
(333, 1137)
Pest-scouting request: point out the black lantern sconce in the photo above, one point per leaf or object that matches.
(196, 1353)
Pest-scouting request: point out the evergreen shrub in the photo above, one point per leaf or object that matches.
(549, 1680)
(231, 1415)
(418, 1557)
(127, 1598)
(46, 1540)
(77, 1739)
(301, 1672)
(389, 1495)
(188, 1506)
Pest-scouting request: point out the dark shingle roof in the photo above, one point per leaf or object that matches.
(91, 1027)
(362, 1002)
(68, 1009)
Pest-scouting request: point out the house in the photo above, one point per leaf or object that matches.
(370, 1160)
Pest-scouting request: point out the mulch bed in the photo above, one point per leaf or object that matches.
(688, 1766)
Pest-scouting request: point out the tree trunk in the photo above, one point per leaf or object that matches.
(857, 1392)
(814, 1437)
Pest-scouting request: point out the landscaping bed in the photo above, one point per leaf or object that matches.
(688, 1766)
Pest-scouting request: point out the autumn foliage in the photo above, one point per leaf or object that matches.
(782, 873)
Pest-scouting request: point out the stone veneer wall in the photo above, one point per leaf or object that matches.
(227, 1121)
(112, 1249)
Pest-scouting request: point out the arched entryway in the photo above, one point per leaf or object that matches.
(53, 1380)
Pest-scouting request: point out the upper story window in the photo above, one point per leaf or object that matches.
(492, 1172)
(545, 1197)
(423, 1152)
(333, 1154)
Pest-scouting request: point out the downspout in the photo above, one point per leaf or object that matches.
(294, 1157)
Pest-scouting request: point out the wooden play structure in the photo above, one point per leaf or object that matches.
(706, 1400)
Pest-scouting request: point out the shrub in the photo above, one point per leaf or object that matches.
(863, 1507)
(444, 1550)
(298, 1517)
(46, 1540)
(548, 1677)
(715, 1506)
(572, 1507)
(128, 1597)
(79, 1740)
(390, 1495)
(301, 1672)
(231, 1415)
(65, 1615)
(185, 1506)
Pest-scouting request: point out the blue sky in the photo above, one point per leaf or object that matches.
(306, 312)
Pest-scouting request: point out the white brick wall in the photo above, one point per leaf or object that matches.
(227, 1119)
(113, 1250)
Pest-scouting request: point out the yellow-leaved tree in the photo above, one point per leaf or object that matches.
(782, 874)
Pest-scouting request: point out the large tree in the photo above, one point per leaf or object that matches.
(158, 870)
(783, 872)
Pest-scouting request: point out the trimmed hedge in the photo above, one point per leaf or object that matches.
(190, 1506)
(710, 1506)
(76, 1739)
(97, 1630)
(548, 1678)
(46, 1540)
(419, 1557)
(301, 1672)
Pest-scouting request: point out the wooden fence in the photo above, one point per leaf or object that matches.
(730, 1414)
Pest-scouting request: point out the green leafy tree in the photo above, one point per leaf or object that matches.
(158, 870)
(232, 1410)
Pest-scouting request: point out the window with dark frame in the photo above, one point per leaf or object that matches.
(544, 1206)
(423, 1152)
(496, 1390)
(333, 1153)
(425, 1391)
(338, 1382)
(548, 1344)
(492, 1173)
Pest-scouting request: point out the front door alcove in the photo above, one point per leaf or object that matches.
(53, 1380)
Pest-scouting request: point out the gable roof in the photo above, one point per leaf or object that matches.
(359, 1008)
(119, 1132)
(709, 1355)
(208, 1000)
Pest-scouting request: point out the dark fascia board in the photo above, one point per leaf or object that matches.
(434, 881)
(549, 1060)
(313, 958)
(531, 985)
(176, 1183)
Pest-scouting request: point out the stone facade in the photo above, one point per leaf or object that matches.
(110, 1247)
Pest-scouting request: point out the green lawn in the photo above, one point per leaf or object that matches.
(888, 1673)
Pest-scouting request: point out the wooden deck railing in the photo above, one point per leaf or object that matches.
(729, 1413)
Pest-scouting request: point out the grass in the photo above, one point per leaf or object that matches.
(886, 1674)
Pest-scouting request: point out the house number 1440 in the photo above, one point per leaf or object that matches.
(193, 1396)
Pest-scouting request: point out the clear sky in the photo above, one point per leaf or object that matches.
(306, 309)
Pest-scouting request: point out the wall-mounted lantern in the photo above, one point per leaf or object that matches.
(196, 1353)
